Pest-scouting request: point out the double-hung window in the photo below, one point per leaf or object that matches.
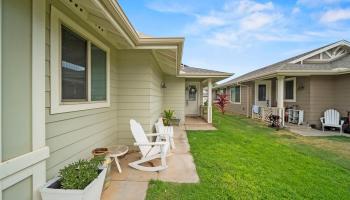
(236, 94)
(79, 67)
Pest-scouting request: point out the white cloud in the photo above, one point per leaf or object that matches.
(248, 6)
(210, 21)
(243, 23)
(335, 15)
(296, 10)
(315, 3)
(257, 20)
(169, 7)
(224, 39)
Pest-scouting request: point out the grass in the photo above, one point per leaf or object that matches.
(246, 160)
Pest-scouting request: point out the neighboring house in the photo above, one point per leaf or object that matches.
(73, 73)
(311, 82)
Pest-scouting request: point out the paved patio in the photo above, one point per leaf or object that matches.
(132, 184)
(310, 132)
(197, 124)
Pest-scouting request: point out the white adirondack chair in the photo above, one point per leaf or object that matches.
(149, 150)
(332, 119)
(167, 131)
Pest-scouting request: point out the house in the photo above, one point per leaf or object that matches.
(73, 72)
(309, 84)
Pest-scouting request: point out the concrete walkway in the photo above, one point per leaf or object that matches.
(308, 131)
(198, 124)
(132, 184)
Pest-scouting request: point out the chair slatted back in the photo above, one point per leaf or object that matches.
(159, 126)
(331, 116)
(139, 136)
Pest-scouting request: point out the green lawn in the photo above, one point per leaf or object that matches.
(245, 160)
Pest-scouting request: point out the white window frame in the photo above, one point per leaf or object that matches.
(294, 79)
(240, 94)
(57, 105)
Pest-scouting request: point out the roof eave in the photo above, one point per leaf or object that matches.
(117, 17)
(288, 73)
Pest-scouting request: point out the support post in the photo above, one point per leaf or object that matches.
(280, 98)
(210, 100)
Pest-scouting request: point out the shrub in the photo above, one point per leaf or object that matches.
(79, 174)
(221, 102)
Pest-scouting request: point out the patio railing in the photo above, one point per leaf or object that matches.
(265, 113)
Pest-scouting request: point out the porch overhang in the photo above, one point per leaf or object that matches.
(109, 20)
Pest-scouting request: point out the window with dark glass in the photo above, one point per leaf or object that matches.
(98, 74)
(76, 70)
(236, 94)
(262, 92)
(192, 93)
(74, 66)
(289, 89)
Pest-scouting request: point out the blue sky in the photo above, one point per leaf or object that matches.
(242, 35)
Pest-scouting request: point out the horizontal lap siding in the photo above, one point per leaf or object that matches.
(135, 80)
(302, 97)
(238, 108)
(342, 95)
(174, 96)
(72, 136)
(322, 97)
(156, 97)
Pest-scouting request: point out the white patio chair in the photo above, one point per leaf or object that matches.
(332, 119)
(149, 150)
(167, 131)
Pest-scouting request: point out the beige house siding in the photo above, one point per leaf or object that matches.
(247, 100)
(174, 96)
(72, 136)
(342, 96)
(322, 97)
(241, 108)
(302, 96)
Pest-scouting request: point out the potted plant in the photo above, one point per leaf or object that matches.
(169, 119)
(80, 180)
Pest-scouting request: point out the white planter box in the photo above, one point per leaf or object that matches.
(91, 192)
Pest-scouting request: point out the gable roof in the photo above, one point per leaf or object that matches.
(302, 64)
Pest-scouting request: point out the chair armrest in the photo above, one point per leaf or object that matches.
(322, 120)
(150, 144)
(156, 134)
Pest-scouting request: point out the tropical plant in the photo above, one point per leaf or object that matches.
(80, 174)
(221, 102)
(168, 115)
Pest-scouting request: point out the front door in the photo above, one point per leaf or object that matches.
(192, 98)
(263, 93)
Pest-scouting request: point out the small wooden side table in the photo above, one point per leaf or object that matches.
(117, 151)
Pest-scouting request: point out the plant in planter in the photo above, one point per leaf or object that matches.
(80, 180)
(168, 116)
